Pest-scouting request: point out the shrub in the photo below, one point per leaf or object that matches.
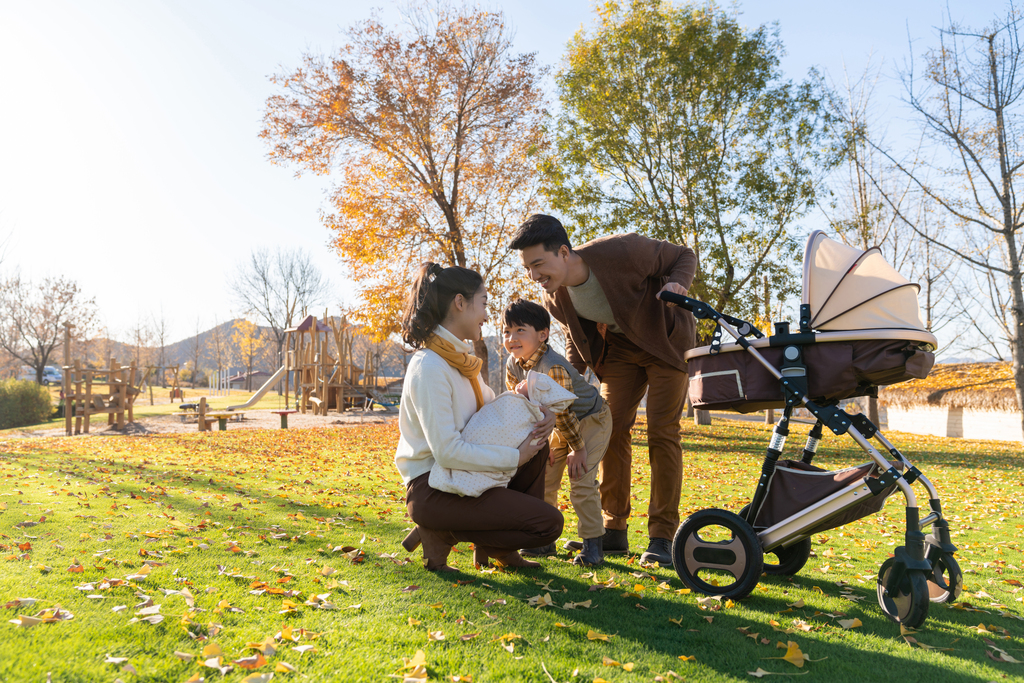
(23, 403)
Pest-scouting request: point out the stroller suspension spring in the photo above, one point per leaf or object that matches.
(813, 439)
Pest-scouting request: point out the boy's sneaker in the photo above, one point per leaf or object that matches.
(543, 551)
(615, 542)
(591, 554)
(659, 550)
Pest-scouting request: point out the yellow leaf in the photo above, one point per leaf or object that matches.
(284, 668)
(414, 622)
(850, 623)
(594, 635)
(793, 655)
(608, 661)
(212, 650)
(688, 658)
(628, 666)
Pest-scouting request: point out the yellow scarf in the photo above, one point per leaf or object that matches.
(469, 366)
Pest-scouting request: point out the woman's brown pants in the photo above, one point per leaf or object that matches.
(500, 519)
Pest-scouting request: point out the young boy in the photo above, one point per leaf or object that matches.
(581, 431)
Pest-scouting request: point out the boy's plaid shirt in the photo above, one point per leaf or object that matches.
(566, 422)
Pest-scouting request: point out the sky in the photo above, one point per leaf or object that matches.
(130, 160)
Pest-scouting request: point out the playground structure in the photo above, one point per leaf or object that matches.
(87, 392)
(157, 374)
(324, 382)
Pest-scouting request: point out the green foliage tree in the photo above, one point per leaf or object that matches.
(676, 123)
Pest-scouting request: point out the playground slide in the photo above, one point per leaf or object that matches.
(274, 379)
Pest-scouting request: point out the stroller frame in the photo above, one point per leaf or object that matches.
(921, 571)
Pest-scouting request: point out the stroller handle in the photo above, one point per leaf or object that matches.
(703, 311)
(698, 308)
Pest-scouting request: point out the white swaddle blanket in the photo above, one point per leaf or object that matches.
(505, 421)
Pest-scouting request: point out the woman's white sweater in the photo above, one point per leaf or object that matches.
(437, 402)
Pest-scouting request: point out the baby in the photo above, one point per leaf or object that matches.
(505, 421)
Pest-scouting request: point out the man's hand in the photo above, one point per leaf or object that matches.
(577, 464)
(673, 287)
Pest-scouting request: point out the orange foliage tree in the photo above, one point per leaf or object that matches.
(250, 345)
(433, 133)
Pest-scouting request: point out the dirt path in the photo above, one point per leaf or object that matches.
(253, 419)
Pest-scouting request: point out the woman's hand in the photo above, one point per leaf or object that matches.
(538, 437)
(542, 430)
(528, 449)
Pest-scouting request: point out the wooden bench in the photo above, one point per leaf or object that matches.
(284, 416)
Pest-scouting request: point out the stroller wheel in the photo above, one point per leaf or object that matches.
(946, 581)
(908, 604)
(789, 560)
(717, 553)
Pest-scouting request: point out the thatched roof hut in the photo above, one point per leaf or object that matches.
(977, 386)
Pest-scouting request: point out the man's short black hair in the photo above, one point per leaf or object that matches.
(541, 229)
(523, 312)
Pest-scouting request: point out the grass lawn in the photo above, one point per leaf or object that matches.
(279, 550)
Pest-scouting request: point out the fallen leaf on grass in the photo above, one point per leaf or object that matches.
(284, 667)
(258, 678)
(594, 635)
(254, 662)
(20, 602)
(114, 660)
(687, 658)
(434, 636)
(850, 623)
(761, 673)
(184, 656)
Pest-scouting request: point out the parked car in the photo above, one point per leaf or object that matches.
(51, 375)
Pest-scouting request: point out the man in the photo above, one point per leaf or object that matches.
(604, 294)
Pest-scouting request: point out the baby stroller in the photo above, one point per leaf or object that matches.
(860, 327)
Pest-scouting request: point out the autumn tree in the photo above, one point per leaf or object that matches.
(32, 317)
(676, 122)
(249, 344)
(969, 104)
(431, 132)
(277, 286)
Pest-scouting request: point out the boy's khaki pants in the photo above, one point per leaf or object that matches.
(584, 493)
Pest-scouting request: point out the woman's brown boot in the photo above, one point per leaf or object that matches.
(412, 541)
(436, 546)
(514, 559)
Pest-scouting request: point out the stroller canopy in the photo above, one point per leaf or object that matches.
(850, 289)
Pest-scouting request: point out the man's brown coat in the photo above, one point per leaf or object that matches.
(631, 270)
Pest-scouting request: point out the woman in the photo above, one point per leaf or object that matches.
(442, 390)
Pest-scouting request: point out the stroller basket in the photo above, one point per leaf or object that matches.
(797, 485)
(852, 365)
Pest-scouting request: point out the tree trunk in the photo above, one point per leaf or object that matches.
(480, 350)
(873, 410)
(702, 417)
(769, 416)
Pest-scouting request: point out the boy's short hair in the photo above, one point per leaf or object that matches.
(540, 229)
(523, 312)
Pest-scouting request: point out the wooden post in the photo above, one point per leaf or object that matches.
(129, 402)
(701, 417)
(112, 375)
(88, 400)
(78, 397)
(769, 416)
(202, 414)
(66, 382)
